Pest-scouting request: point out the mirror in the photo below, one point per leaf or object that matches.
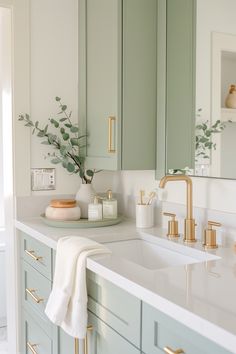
(213, 131)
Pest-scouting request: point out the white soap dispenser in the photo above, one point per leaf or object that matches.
(109, 206)
(95, 210)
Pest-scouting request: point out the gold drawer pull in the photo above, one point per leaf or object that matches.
(110, 147)
(31, 347)
(34, 297)
(89, 329)
(168, 350)
(32, 255)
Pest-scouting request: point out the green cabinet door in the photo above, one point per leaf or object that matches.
(100, 80)
(160, 331)
(103, 340)
(66, 344)
(118, 82)
(180, 84)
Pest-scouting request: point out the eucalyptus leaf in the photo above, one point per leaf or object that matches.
(64, 107)
(90, 173)
(74, 142)
(66, 136)
(65, 163)
(55, 161)
(68, 125)
(45, 142)
(70, 167)
(74, 129)
(57, 98)
(41, 134)
(63, 119)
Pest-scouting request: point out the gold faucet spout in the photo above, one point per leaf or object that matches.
(189, 233)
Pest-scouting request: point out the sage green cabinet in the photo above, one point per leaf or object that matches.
(180, 83)
(160, 331)
(104, 340)
(118, 82)
(121, 323)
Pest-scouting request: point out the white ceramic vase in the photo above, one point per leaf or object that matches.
(84, 197)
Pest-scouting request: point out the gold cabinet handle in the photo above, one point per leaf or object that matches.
(31, 347)
(33, 255)
(34, 297)
(168, 350)
(110, 143)
(89, 329)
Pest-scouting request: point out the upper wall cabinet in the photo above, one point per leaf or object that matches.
(118, 82)
(180, 83)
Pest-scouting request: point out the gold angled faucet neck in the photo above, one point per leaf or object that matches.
(189, 227)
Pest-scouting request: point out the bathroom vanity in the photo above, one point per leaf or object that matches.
(152, 295)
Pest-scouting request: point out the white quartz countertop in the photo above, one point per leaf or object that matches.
(201, 296)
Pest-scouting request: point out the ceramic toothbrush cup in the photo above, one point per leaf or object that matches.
(144, 215)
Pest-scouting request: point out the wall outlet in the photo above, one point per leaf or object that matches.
(43, 179)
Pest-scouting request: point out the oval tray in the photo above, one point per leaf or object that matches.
(82, 223)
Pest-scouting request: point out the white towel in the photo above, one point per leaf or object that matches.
(67, 303)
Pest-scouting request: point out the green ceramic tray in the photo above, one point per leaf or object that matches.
(82, 223)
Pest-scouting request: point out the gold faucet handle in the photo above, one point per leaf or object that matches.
(213, 223)
(210, 235)
(170, 215)
(172, 226)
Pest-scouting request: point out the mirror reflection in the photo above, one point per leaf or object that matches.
(215, 104)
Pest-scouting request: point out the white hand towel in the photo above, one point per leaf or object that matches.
(67, 303)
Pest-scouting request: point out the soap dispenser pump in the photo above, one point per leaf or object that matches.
(109, 206)
(95, 210)
(210, 235)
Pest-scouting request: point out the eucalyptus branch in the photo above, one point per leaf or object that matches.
(68, 145)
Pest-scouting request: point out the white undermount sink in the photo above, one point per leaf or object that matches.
(154, 256)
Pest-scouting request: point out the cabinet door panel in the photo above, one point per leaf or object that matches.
(34, 337)
(66, 343)
(159, 331)
(102, 80)
(180, 99)
(139, 84)
(37, 255)
(35, 291)
(104, 340)
(114, 306)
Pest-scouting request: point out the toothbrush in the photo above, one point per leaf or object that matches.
(151, 196)
(142, 193)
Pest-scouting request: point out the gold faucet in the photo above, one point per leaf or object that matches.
(189, 225)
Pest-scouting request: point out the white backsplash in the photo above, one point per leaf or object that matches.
(126, 186)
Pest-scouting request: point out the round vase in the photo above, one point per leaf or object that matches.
(230, 101)
(84, 197)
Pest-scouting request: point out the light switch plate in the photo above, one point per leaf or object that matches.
(43, 179)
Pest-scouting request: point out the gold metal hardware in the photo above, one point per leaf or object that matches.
(210, 235)
(76, 345)
(189, 225)
(110, 144)
(32, 255)
(31, 347)
(172, 226)
(168, 350)
(34, 297)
